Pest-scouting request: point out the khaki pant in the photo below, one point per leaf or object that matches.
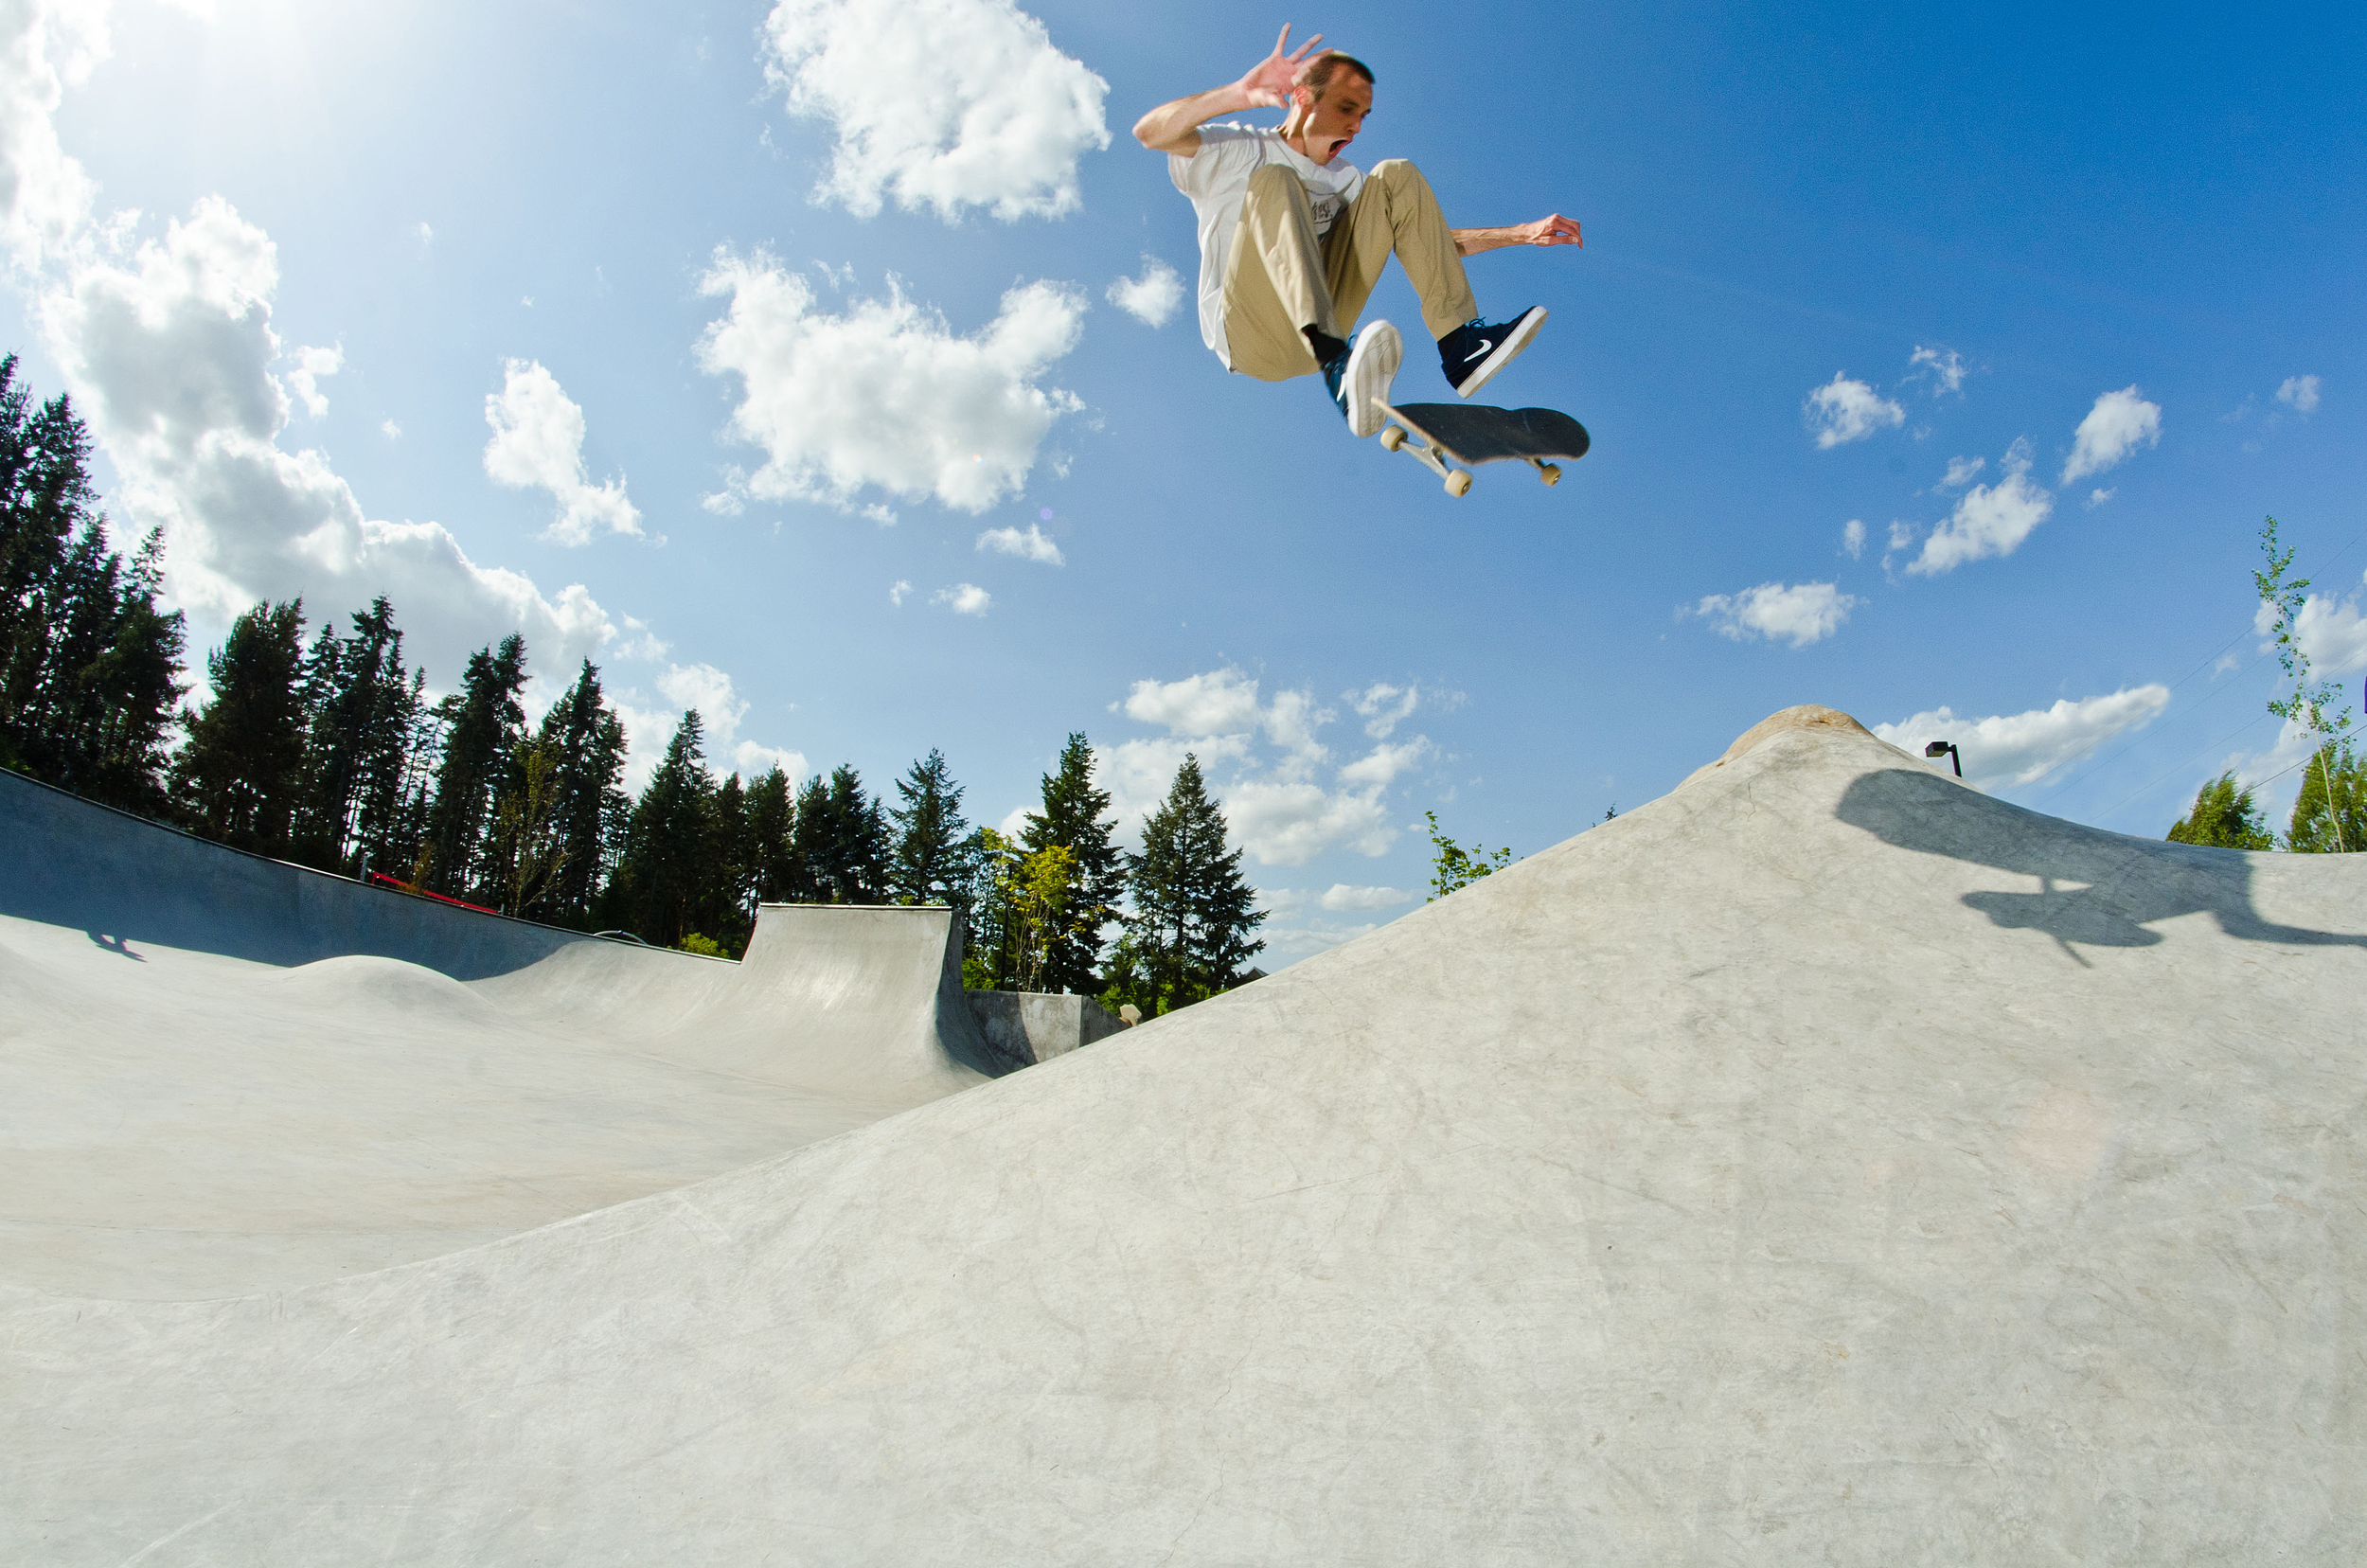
(1281, 278)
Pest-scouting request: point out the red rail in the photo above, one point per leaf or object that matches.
(380, 879)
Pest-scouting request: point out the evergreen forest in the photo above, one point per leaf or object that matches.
(319, 744)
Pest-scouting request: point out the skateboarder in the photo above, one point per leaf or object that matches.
(1292, 240)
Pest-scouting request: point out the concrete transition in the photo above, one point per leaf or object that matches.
(222, 1074)
(1823, 1164)
(1033, 1026)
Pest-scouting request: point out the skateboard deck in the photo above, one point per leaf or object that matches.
(1473, 434)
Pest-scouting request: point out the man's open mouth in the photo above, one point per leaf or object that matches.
(1336, 146)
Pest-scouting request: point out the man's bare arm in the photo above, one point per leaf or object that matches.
(1554, 230)
(1175, 127)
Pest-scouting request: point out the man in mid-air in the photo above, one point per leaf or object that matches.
(1291, 240)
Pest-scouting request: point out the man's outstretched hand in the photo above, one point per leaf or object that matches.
(1553, 230)
(1269, 82)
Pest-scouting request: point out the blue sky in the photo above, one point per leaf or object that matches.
(663, 333)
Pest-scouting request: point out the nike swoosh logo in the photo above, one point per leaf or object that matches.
(1483, 346)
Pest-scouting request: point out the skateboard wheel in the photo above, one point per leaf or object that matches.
(1550, 473)
(1459, 483)
(1393, 437)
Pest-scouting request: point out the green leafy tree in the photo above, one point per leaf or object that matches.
(669, 849)
(240, 776)
(1192, 915)
(2330, 814)
(1075, 818)
(928, 863)
(2223, 816)
(2313, 704)
(529, 838)
(1453, 866)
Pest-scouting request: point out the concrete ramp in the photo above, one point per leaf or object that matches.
(1825, 1164)
(201, 1096)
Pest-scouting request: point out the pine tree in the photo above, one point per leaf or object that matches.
(89, 666)
(2224, 816)
(928, 865)
(1074, 819)
(368, 737)
(841, 842)
(240, 777)
(1192, 914)
(669, 844)
(772, 842)
(727, 906)
(2330, 814)
(483, 725)
(589, 809)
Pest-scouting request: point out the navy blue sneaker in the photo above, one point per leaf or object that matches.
(1360, 375)
(1477, 351)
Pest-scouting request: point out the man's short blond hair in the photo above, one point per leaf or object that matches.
(1327, 64)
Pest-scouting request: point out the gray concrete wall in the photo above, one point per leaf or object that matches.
(1033, 1026)
(68, 861)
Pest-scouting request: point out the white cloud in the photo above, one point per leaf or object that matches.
(1945, 367)
(1219, 703)
(939, 105)
(1273, 760)
(392, 430)
(1152, 297)
(1805, 614)
(1961, 470)
(885, 395)
(1031, 544)
(897, 590)
(1384, 706)
(538, 444)
(2330, 630)
(751, 760)
(2300, 394)
(424, 233)
(1991, 520)
(710, 690)
(2098, 496)
(2118, 424)
(313, 366)
(1902, 535)
(963, 598)
(167, 348)
(1843, 410)
(2011, 750)
(1853, 538)
(1341, 897)
(45, 197)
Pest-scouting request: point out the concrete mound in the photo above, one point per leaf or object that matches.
(1825, 1163)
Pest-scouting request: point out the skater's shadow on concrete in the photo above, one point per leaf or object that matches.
(2121, 885)
(114, 944)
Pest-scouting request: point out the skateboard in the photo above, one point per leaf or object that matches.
(1471, 436)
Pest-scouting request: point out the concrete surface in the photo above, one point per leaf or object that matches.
(193, 1104)
(1033, 1026)
(1823, 1164)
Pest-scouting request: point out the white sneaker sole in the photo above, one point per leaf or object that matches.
(1371, 367)
(1507, 351)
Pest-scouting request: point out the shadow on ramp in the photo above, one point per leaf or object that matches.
(2120, 886)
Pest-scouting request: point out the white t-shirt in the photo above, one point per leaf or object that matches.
(1216, 180)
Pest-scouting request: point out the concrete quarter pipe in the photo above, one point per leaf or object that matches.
(1825, 1163)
